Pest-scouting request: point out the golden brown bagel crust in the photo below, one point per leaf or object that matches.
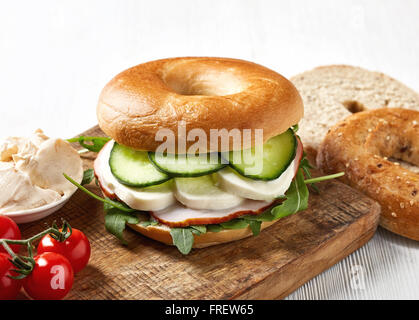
(206, 93)
(361, 146)
(162, 233)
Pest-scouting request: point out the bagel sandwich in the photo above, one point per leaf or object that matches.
(189, 196)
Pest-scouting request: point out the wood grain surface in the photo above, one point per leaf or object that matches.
(272, 265)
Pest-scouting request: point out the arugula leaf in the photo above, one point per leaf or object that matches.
(115, 221)
(88, 176)
(297, 198)
(149, 223)
(306, 166)
(95, 143)
(324, 178)
(108, 202)
(264, 216)
(183, 239)
(255, 226)
(235, 224)
(199, 229)
(214, 228)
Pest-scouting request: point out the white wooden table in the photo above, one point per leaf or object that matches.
(55, 57)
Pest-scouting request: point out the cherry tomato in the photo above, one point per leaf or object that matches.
(51, 278)
(9, 230)
(76, 248)
(9, 288)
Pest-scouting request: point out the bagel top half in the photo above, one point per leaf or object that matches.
(200, 92)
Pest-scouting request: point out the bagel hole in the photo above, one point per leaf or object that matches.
(353, 106)
(203, 84)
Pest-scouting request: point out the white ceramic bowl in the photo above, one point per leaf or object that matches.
(29, 215)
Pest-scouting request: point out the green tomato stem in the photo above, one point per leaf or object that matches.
(28, 265)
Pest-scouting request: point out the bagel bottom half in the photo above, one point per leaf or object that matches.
(162, 233)
(379, 152)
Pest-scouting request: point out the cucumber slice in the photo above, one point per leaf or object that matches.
(187, 165)
(278, 153)
(133, 168)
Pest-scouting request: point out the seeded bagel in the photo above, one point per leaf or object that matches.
(378, 150)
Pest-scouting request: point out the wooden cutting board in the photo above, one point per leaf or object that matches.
(338, 221)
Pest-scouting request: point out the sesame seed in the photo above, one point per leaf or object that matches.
(411, 203)
(402, 205)
(347, 164)
(414, 122)
(339, 134)
(398, 178)
(385, 158)
(396, 163)
(378, 190)
(356, 159)
(388, 138)
(369, 130)
(394, 214)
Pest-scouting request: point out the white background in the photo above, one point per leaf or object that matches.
(55, 57)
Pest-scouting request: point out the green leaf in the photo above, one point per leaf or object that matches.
(115, 221)
(235, 224)
(108, 202)
(95, 143)
(324, 178)
(199, 229)
(214, 228)
(295, 128)
(88, 176)
(255, 226)
(149, 223)
(264, 216)
(297, 198)
(306, 166)
(183, 239)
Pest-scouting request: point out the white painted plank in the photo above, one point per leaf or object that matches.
(387, 269)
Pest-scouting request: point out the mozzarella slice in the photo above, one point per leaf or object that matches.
(179, 216)
(145, 199)
(202, 193)
(232, 182)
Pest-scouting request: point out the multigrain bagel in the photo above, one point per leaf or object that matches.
(206, 93)
(161, 233)
(370, 147)
(332, 93)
